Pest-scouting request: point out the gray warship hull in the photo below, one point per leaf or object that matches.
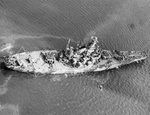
(34, 62)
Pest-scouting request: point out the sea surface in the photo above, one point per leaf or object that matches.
(48, 24)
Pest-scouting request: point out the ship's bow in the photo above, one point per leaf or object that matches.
(134, 56)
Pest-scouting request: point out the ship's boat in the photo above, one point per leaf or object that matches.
(84, 58)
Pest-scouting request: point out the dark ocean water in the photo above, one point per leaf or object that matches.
(47, 24)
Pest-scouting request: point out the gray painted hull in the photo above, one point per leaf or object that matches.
(33, 62)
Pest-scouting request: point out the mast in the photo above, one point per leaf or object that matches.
(68, 44)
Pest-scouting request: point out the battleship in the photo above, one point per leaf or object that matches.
(87, 57)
